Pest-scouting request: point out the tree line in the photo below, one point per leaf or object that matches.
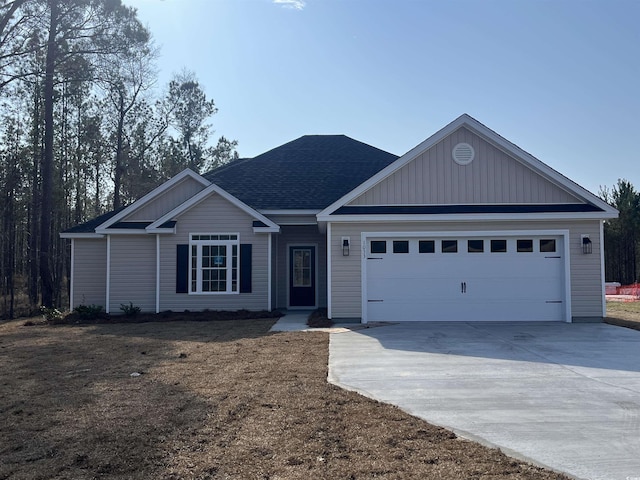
(84, 129)
(622, 235)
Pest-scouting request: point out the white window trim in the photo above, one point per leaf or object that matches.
(229, 268)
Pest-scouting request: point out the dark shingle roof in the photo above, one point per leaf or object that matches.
(308, 173)
(90, 226)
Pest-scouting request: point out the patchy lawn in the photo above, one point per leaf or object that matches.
(218, 400)
(624, 314)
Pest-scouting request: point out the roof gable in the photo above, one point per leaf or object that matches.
(493, 177)
(308, 173)
(542, 181)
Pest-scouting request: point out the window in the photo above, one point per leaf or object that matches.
(498, 246)
(426, 246)
(475, 246)
(302, 267)
(547, 245)
(214, 263)
(449, 246)
(525, 245)
(400, 246)
(378, 246)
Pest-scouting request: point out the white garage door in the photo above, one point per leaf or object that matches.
(465, 278)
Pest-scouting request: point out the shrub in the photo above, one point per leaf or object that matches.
(130, 310)
(89, 312)
(51, 314)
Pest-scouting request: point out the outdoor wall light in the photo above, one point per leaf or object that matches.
(587, 246)
(345, 246)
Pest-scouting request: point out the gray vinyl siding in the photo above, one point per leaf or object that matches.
(167, 201)
(214, 215)
(294, 219)
(89, 272)
(586, 280)
(133, 272)
(299, 235)
(492, 177)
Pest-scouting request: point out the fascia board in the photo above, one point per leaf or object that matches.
(200, 196)
(81, 235)
(122, 231)
(151, 195)
(466, 217)
(266, 229)
(290, 211)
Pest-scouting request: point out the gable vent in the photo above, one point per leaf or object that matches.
(463, 154)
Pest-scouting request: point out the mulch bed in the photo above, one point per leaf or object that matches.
(208, 400)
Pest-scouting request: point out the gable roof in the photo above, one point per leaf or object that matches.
(604, 210)
(308, 173)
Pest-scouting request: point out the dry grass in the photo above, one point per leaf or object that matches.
(624, 314)
(219, 400)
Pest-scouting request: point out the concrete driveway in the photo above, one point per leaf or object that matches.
(565, 396)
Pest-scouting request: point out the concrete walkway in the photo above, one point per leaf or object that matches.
(566, 396)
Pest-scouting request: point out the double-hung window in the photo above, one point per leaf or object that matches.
(214, 263)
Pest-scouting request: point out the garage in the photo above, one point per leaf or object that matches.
(473, 277)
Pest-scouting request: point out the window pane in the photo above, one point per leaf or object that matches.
(401, 246)
(547, 245)
(525, 245)
(426, 246)
(475, 246)
(378, 246)
(449, 246)
(498, 246)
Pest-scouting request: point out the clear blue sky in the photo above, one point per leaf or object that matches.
(560, 78)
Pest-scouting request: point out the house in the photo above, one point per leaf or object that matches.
(465, 226)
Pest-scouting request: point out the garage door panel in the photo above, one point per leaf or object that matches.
(463, 286)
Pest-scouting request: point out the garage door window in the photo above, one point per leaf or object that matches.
(475, 246)
(400, 246)
(426, 246)
(378, 246)
(449, 246)
(525, 245)
(547, 245)
(498, 246)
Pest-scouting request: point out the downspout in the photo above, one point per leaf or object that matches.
(73, 254)
(269, 273)
(157, 273)
(602, 272)
(329, 270)
(108, 292)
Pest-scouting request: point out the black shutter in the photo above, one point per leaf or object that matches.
(182, 269)
(245, 268)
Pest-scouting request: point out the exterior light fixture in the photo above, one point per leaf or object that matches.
(587, 246)
(345, 246)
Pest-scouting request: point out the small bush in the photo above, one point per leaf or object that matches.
(51, 314)
(89, 312)
(130, 310)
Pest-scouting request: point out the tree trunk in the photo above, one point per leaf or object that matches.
(47, 162)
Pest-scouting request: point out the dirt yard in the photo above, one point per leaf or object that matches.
(624, 314)
(218, 400)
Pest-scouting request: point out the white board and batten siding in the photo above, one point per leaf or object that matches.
(493, 177)
(133, 272)
(89, 272)
(214, 215)
(584, 278)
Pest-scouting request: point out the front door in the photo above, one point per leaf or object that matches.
(302, 276)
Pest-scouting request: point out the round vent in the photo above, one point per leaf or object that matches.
(463, 154)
